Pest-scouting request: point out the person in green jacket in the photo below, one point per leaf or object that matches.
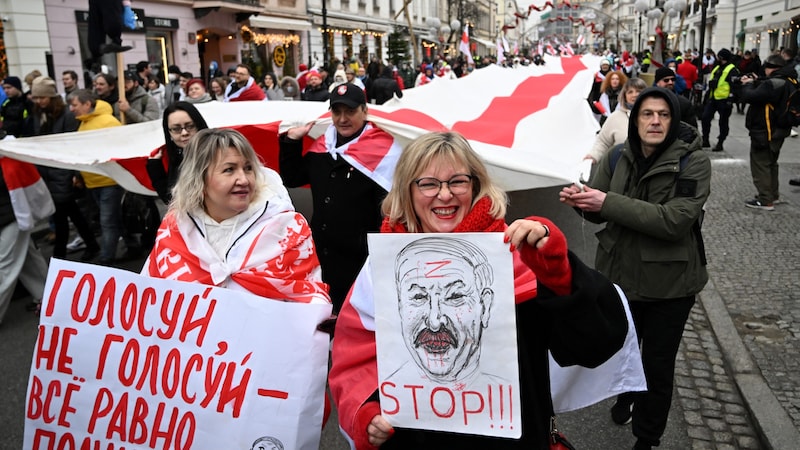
(650, 194)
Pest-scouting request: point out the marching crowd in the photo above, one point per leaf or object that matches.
(649, 182)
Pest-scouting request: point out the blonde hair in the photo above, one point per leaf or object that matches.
(449, 147)
(202, 151)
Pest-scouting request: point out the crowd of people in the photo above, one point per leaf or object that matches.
(224, 208)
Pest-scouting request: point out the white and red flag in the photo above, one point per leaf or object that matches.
(30, 197)
(516, 107)
(464, 44)
(581, 39)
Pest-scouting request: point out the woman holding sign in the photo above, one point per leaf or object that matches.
(232, 224)
(440, 185)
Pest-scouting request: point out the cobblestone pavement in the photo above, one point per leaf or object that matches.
(754, 262)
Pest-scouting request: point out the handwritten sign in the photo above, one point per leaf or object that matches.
(126, 361)
(446, 332)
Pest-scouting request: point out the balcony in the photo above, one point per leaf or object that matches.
(231, 6)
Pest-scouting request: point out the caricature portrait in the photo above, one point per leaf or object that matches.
(444, 297)
(267, 443)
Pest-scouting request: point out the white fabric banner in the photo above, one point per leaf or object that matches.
(127, 361)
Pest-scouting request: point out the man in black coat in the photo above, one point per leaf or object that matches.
(347, 201)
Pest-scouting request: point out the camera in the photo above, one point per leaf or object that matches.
(738, 80)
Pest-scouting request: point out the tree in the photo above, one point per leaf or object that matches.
(398, 47)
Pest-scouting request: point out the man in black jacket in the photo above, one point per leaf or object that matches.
(665, 78)
(766, 137)
(17, 108)
(346, 200)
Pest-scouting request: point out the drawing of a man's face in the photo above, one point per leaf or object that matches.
(444, 300)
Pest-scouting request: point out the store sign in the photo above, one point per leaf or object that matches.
(279, 56)
(83, 17)
(161, 22)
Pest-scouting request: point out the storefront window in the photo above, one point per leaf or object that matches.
(159, 52)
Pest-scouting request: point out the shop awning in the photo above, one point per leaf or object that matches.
(279, 23)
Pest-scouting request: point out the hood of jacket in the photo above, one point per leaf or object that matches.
(674, 127)
(101, 117)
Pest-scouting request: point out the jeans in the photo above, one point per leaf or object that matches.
(109, 200)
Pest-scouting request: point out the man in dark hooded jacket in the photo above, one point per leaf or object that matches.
(651, 195)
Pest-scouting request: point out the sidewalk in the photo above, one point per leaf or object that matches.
(741, 349)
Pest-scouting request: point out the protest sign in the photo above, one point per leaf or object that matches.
(446, 332)
(124, 361)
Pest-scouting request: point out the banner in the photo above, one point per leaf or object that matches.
(126, 361)
(445, 328)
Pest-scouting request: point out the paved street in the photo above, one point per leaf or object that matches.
(738, 380)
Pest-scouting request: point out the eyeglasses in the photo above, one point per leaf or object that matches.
(178, 129)
(430, 187)
(668, 80)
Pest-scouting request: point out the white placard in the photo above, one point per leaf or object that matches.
(139, 362)
(446, 332)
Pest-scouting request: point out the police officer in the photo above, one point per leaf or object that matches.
(720, 98)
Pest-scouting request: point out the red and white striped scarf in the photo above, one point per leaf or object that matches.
(374, 152)
(271, 254)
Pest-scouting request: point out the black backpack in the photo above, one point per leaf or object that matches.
(787, 111)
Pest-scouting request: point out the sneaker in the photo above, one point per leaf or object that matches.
(718, 147)
(622, 412)
(794, 181)
(793, 133)
(775, 202)
(755, 204)
(76, 244)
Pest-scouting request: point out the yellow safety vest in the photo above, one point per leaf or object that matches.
(723, 89)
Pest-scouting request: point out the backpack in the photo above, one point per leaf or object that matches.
(787, 111)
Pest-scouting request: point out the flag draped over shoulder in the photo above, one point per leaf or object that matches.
(531, 125)
(30, 197)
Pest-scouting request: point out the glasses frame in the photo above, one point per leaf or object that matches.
(441, 183)
(178, 129)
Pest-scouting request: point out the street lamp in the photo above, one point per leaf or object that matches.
(641, 7)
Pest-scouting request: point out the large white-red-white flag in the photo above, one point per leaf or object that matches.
(581, 39)
(516, 107)
(464, 44)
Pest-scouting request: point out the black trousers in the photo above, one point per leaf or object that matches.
(105, 19)
(724, 108)
(65, 211)
(659, 326)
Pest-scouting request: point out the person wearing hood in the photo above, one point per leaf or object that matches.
(720, 98)
(291, 88)
(766, 137)
(95, 114)
(244, 88)
(385, 87)
(196, 92)
(137, 106)
(650, 195)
